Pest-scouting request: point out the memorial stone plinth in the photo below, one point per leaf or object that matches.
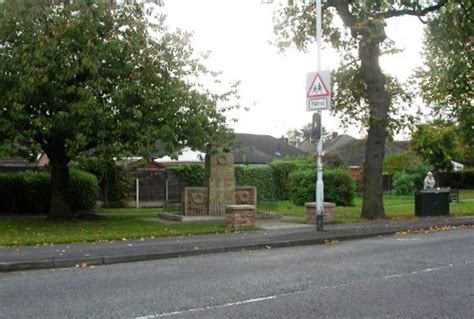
(328, 212)
(237, 216)
(219, 189)
(220, 182)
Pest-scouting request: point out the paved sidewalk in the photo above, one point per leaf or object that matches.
(70, 255)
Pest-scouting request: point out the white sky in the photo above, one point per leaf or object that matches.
(237, 32)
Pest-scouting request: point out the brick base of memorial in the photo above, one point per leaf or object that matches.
(328, 212)
(240, 216)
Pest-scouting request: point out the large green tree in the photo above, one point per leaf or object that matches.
(77, 76)
(361, 89)
(437, 143)
(446, 80)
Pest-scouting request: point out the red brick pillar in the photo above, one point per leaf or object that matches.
(240, 216)
(328, 212)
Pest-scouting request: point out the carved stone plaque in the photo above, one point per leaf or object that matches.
(221, 182)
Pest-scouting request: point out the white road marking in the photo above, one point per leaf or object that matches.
(408, 239)
(208, 307)
(242, 302)
(467, 262)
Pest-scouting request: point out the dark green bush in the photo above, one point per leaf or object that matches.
(114, 180)
(30, 192)
(258, 176)
(404, 184)
(83, 191)
(408, 181)
(192, 175)
(282, 168)
(301, 186)
(339, 187)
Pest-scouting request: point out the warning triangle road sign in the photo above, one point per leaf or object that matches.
(318, 88)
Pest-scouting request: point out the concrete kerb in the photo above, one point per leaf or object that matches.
(106, 260)
(25, 265)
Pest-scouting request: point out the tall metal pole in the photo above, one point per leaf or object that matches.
(137, 188)
(318, 32)
(319, 180)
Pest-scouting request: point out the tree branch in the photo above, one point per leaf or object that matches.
(419, 13)
(342, 7)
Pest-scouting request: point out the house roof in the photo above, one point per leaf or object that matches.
(307, 147)
(187, 156)
(249, 148)
(352, 151)
(262, 149)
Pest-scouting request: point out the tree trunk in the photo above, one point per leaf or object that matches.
(106, 189)
(60, 203)
(372, 204)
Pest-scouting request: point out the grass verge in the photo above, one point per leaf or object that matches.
(39, 231)
(396, 207)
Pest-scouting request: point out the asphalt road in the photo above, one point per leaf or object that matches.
(415, 276)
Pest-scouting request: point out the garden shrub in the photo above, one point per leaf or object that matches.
(114, 180)
(30, 192)
(333, 161)
(339, 187)
(24, 192)
(301, 186)
(83, 191)
(404, 184)
(282, 168)
(192, 175)
(116, 187)
(408, 181)
(259, 176)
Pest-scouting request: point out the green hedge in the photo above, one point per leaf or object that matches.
(282, 168)
(339, 187)
(258, 176)
(30, 192)
(114, 180)
(192, 175)
(83, 191)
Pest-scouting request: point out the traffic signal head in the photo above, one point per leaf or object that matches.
(316, 127)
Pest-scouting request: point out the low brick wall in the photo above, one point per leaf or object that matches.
(245, 195)
(196, 201)
(328, 212)
(240, 216)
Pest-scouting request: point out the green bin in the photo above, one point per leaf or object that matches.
(432, 202)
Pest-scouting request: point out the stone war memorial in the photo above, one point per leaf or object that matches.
(220, 196)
